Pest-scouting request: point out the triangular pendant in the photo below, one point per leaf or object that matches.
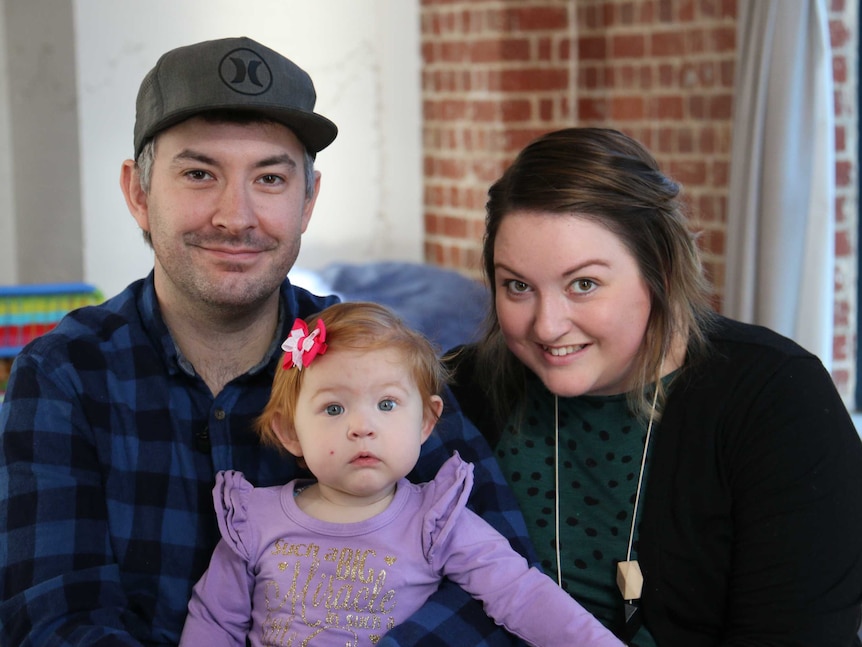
(633, 621)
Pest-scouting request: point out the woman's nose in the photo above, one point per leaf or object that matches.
(551, 319)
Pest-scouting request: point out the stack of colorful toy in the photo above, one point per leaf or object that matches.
(27, 311)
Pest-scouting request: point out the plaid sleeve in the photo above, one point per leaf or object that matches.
(451, 616)
(55, 558)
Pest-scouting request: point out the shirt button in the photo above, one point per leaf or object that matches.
(202, 440)
(219, 414)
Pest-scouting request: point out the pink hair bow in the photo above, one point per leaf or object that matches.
(302, 346)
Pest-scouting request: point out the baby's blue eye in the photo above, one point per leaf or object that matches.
(334, 409)
(386, 405)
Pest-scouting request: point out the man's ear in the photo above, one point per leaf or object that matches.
(429, 420)
(136, 199)
(308, 207)
(287, 434)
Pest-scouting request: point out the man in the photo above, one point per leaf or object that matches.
(115, 423)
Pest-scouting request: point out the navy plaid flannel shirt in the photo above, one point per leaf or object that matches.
(110, 445)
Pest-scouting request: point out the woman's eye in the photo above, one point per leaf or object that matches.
(334, 409)
(583, 285)
(386, 405)
(516, 287)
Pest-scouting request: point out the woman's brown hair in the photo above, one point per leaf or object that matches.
(611, 179)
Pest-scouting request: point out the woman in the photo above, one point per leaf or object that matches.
(647, 439)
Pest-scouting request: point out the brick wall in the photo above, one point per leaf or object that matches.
(843, 27)
(497, 73)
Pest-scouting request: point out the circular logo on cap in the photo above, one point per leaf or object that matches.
(244, 71)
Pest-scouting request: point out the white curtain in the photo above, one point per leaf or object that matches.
(781, 209)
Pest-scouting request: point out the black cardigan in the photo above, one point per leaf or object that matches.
(751, 530)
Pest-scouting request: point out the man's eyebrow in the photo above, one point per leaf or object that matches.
(188, 154)
(196, 156)
(277, 160)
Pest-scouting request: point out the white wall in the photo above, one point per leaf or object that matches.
(8, 269)
(364, 58)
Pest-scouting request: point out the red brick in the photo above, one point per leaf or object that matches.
(722, 39)
(841, 377)
(727, 70)
(841, 313)
(534, 79)
(839, 69)
(720, 173)
(843, 173)
(665, 10)
(478, 226)
(706, 141)
(667, 77)
(454, 227)
(514, 139)
(592, 48)
(843, 244)
(721, 108)
(627, 108)
(667, 44)
(453, 169)
(452, 52)
(588, 17)
(628, 46)
(496, 50)
(840, 138)
(689, 172)
(486, 171)
(535, 18)
(727, 8)
(516, 110)
(590, 109)
(667, 107)
(664, 142)
(565, 49)
(626, 13)
(591, 78)
(839, 35)
(839, 347)
(686, 11)
(685, 140)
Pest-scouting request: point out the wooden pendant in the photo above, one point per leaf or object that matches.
(630, 580)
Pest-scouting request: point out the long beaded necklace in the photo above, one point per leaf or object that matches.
(629, 577)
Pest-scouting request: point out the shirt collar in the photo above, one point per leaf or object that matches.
(157, 329)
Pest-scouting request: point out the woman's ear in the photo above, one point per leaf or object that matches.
(431, 416)
(287, 435)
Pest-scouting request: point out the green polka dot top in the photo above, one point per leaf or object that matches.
(601, 445)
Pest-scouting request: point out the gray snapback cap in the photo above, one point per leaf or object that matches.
(229, 74)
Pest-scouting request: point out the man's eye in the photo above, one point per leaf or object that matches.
(334, 409)
(271, 179)
(198, 175)
(386, 405)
